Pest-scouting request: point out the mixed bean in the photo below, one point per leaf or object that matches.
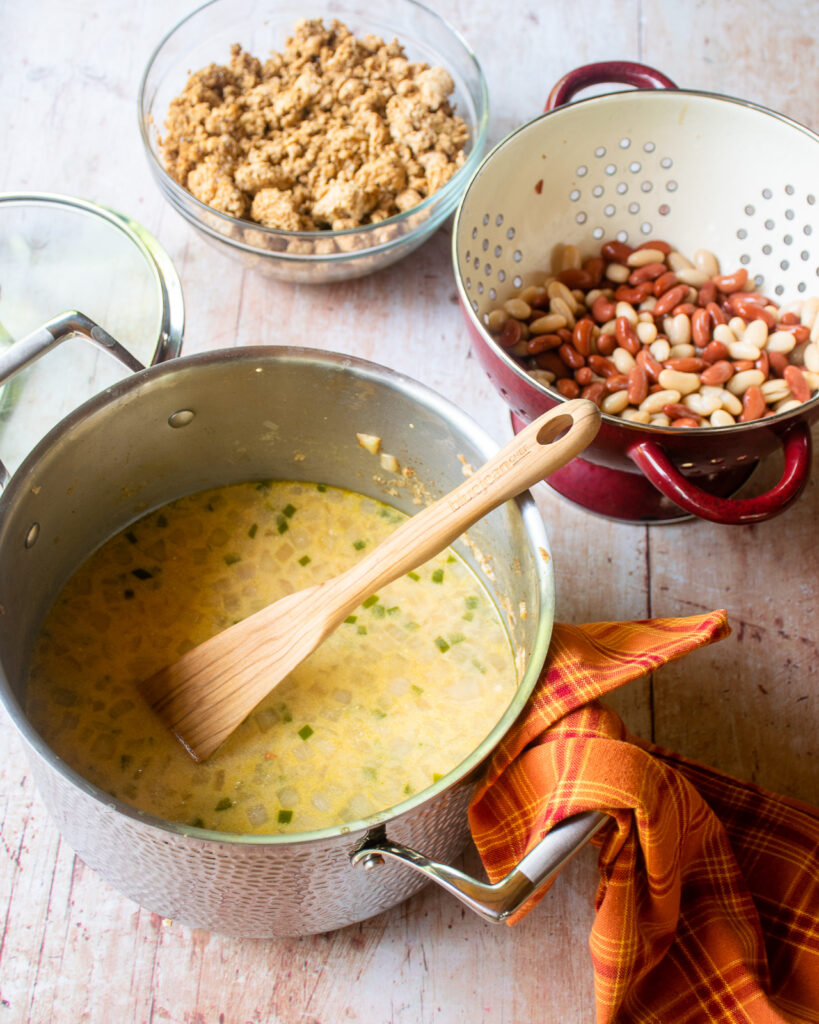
(653, 337)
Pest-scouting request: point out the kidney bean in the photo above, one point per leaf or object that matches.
(634, 296)
(741, 365)
(648, 272)
(606, 344)
(751, 311)
(626, 335)
(715, 351)
(582, 335)
(788, 318)
(567, 387)
(690, 364)
(708, 293)
(753, 404)
(570, 356)
(542, 343)
(717, 373)
(684, 309)
(602, 367)
(603, 309)
(795, 377)
(652, 366)
(584, 375)
(763, 363)
(670, 299)
(551, 361)
(574, 277)
(800, 332)
(778, 362)
(615, 252)
(663, 247)
(510, 335)
(735, 282)
(616, 382)
(686, 421)
(595, 267)
(701, 327)
(665, 281)
(594, 392)
(674, 410)
(716, 313)
(637, 384)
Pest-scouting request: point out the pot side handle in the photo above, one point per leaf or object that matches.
(48, 336)
(623, 72)
(495, 902)
(661, 471)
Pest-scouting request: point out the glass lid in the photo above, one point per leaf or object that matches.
(58, 253)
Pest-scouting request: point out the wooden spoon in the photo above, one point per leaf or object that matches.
(205, 695)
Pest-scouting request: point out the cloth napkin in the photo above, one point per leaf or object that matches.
(708, 903)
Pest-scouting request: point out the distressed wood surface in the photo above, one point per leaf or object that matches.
(73, 949)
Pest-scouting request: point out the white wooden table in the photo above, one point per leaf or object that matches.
(73, 949)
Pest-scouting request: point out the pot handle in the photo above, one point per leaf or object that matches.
(48, 336)
(492, 902)
(624, 72)
(652, 460)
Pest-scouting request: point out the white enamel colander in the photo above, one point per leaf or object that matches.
(698, 170)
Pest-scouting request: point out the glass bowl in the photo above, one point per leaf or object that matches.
(260, 27)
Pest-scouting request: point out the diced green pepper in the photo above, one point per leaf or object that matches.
(305, 560)
(441, 644)
(285, 817)
(252, 531)
(306, 732)
(224, 804)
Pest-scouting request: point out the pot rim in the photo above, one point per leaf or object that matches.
(366, 370)
(629, 95)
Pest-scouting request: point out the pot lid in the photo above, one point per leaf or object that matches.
(61, 253)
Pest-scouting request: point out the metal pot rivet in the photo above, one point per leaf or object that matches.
(32, 535)
(372, 860)
(181, 418)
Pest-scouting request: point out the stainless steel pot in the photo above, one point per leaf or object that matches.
(222, 418)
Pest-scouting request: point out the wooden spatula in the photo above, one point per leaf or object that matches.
(205, 695)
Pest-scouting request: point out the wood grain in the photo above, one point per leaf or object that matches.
(71, 948)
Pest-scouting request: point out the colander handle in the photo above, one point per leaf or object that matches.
(659, 469)
(622, 72)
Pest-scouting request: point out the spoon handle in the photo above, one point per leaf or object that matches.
(538, 450)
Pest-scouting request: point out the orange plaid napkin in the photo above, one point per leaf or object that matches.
(708, 904)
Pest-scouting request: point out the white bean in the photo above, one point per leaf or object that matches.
(737, 325)
(534, 293)
(781, 341)
(648, 304)
(641, 257)
(682, 351)
(569, 258)
(517, 308)
(721, 418)
(618, 272)
(548, 324)
(646, 332)
(693, 277)
(702, 405)
(636, 415)
(561, 307)
(496, 319)
(655, 402)
(660, 349)
(559, 290)
(707, 262)
(615, 403)
(676, 380)
(678, 329)
(623, 360)
(627, 310)
(810, 309)
(787, 405)
(775, 390)
(660, 420)
(731, 403)
(676, 261)
(756, 333)
(542, 376)
(723, 333)
(742, 350)
(743, 380)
